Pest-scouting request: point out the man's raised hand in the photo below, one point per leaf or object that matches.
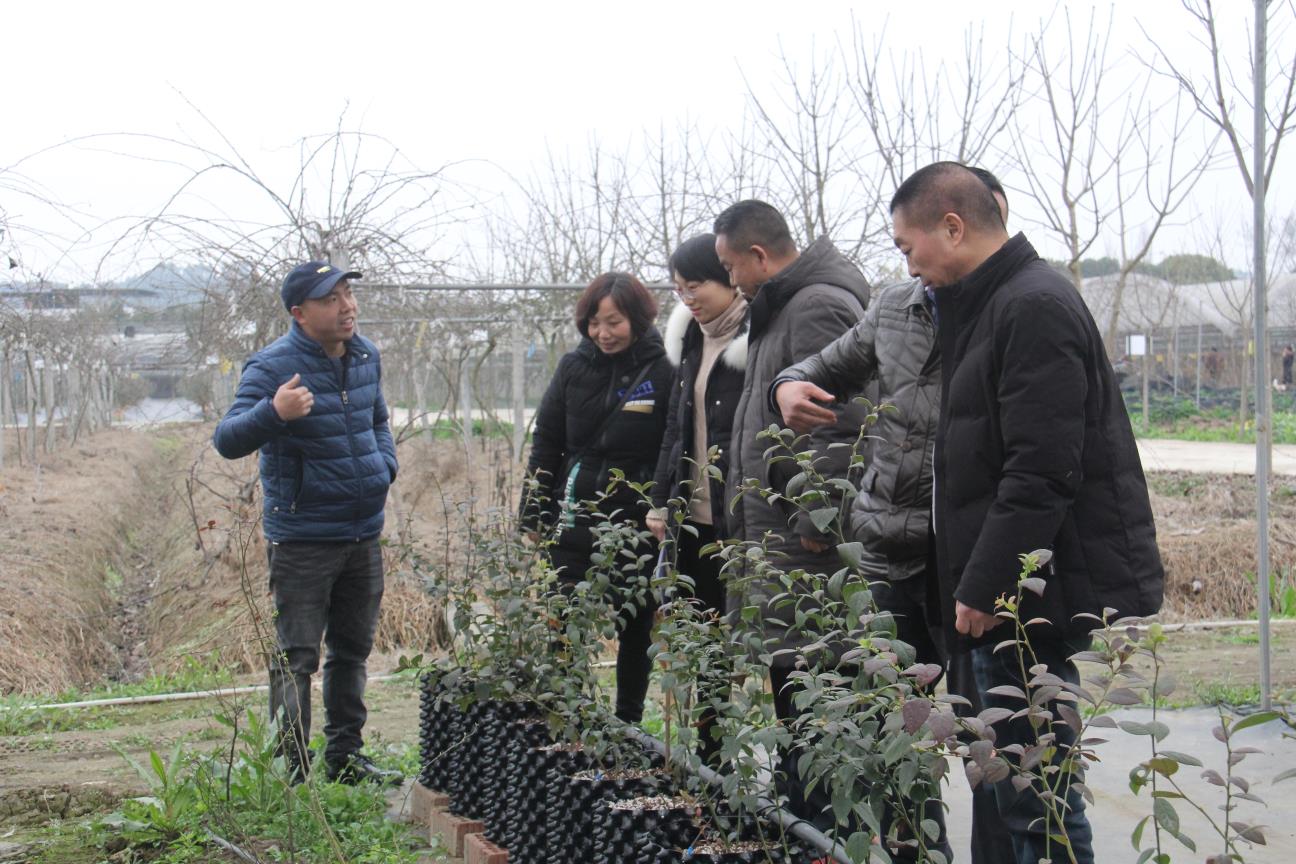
(292, 400)
(798, 402)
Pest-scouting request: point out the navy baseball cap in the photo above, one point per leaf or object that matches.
(312, 280)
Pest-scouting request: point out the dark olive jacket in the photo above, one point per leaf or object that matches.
(1035, 451)
(794, 315)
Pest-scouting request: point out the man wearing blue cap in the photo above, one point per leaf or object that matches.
(311, 403)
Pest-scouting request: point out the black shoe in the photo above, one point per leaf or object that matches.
(358, 768)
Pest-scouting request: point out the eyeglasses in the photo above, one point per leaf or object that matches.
(688, 292)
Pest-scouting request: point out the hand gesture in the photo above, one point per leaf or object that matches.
(292, 400)
(798, 401)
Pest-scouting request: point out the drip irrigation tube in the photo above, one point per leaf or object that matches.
(798, 828)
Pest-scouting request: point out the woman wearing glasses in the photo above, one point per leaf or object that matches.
(706, 339)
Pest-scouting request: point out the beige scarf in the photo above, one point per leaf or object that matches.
(716, 336)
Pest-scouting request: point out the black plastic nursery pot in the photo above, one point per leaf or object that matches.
(441, 729)
(573, 801)
(623, 829)
(529, 816)
(509, 742)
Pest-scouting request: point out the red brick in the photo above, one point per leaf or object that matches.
(479, 850)
(424, 802)
(453, 829)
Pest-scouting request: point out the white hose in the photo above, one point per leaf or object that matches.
(167, 697)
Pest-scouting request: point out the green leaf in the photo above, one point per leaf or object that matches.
(823, 518)
(851, 554)
(1182, 758)
(1136, 839)
(1035, 585)
(158, 768)
(1165, 815)
(857, 846)
(1256, 719)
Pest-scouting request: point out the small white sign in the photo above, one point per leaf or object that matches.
(1135, 344)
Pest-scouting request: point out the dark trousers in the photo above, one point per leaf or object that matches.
(634, 620)
(1022, 812)
(704, 571)
(329, 591)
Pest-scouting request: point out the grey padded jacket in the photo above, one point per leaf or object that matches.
(896, 344)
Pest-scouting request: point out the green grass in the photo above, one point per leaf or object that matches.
(1220, 693)
(194, 674)
(1180, 419)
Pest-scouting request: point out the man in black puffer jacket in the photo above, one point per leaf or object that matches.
(1034, 451)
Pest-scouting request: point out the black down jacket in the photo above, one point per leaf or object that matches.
(724, 385)
(1034, 450)
(572, 464)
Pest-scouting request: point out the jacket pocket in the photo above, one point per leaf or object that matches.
(299, 484)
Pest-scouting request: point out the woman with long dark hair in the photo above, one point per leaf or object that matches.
(706, 339)
(604, 412)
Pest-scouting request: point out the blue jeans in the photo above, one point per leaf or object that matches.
(329, 591)
(1023, 812)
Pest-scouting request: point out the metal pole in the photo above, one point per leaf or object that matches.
(1199, 359)
(1174, 349)
(1259, 298)
(4, 403)
(519, 383)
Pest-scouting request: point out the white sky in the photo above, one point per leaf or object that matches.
(445, 81)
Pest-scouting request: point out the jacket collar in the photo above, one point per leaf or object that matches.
(682, 333)
(964, 300)
(302, 342)
(645, 349)
(818, 263)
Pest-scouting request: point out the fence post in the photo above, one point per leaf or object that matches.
(519, 383)
(29, 374)
(4, 402)
(1199, 361)
(466, 413)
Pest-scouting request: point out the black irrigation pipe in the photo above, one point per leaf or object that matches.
(798, 828)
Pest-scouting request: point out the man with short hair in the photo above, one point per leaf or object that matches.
(1034, 451)
(801, 300)
(312, 403)
(895, 344)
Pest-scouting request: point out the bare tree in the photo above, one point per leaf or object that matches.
(1216, 90)
(1072, 153)
(912, 116)
(805, 135)
(1156, 177)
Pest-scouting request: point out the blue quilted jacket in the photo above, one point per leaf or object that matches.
(323, 476)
